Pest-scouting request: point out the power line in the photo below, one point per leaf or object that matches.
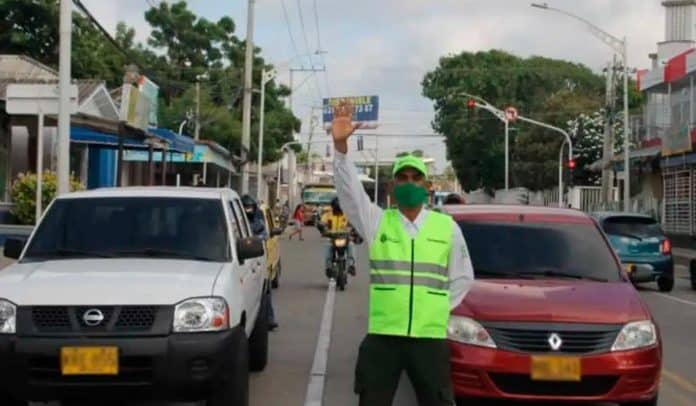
(320, 50)
(304, 30)
(287, 23)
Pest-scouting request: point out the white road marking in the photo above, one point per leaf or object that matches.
(317, 377)
(676, 299)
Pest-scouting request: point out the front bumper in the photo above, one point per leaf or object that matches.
(176, 367)
(503, 375)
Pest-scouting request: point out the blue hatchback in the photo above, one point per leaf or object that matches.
(642, 247)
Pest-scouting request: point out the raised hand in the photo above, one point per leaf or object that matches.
(342, 126)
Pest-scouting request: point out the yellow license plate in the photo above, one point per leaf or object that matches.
(556, 368)
(89, 360)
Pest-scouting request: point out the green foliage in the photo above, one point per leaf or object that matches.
(548, 90)
(24, 194)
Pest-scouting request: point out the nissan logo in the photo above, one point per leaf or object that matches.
(555, 342)
(93, 317)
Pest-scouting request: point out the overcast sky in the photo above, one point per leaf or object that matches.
(384, 47)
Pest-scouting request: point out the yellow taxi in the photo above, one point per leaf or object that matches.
(272, 246)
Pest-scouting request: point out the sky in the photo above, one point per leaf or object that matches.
(385, 47)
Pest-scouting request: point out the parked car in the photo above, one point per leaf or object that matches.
(642, 247)
(272, 246)
(552, 316)
(135, 292)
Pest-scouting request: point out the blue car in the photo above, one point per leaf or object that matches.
(642, 247)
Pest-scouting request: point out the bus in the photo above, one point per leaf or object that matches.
(317, 197)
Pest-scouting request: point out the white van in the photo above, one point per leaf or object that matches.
(129, 292)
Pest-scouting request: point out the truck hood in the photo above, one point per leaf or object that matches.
(552, 300)
(107, 281)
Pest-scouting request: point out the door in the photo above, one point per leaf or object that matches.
(257, 266)
(247, 269)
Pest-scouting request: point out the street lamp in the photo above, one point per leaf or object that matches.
(266, 76)
(621, 47)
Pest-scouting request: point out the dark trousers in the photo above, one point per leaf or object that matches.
(382, 359)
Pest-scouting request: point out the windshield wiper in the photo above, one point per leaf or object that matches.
(484, 273)
(160, 253)
(66, 252)
(554, 273)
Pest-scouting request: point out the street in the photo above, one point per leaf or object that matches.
(299, 303)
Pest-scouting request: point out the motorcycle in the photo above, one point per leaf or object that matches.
(340, 261)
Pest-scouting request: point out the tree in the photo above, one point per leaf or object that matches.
(474, 140)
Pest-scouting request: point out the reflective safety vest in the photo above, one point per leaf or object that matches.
(409, 278)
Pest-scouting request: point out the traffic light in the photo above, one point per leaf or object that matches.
(571, 164)
(571, 174)
(471, 104)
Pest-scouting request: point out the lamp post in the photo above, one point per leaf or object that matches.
(266, 76)
(619, 46)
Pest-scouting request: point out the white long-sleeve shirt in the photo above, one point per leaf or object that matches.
(366, 218)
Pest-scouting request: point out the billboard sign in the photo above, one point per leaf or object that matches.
(366, 110)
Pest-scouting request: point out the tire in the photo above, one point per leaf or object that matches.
(665, 284)
(692, 271)
(7, 400)
(341, 276)
(233, 388)
(258, 342)
(275, 283)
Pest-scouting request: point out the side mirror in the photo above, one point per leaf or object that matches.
(14, 248)
(248, 248)
(276, 231)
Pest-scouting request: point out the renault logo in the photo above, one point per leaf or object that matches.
(555, 342)
(93, 317)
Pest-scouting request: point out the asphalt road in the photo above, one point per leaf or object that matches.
(299, 303)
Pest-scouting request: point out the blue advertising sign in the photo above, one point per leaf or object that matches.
(366, 110)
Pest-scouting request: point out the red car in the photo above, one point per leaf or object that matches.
(552, 316)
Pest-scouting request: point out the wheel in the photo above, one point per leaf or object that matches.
(258, 342)
(341, 276)
(692, 270)
(7, 400)
(651, 402)
(276, 280)
(233, 387)
(665, 284)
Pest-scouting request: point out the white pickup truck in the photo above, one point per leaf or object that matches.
(157, 293)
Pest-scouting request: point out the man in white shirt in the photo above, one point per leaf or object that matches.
(419, 271)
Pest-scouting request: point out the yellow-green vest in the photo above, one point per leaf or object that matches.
(409, 277)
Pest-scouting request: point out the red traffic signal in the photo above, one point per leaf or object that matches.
(471, 103)
(571, 164)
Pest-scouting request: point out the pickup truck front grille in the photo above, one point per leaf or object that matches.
(97, 320)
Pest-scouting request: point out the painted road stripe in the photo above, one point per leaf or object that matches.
(679, 380)
(317, 377)
(676, 299)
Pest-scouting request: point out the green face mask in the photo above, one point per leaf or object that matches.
(409, 195)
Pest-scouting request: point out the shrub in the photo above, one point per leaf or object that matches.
(24, 194)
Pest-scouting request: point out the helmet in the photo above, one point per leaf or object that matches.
(335, 205)
(248, 202)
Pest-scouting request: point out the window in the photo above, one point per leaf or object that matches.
(234, 220)
(176, 228)
(241, 216)
(632, 227)
(534, 250)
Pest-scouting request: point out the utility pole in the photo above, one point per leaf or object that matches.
(64, 106)
(608, 147)
(376, 170)
(198, 110)
(246, 108)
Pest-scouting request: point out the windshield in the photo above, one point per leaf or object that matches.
(503, 250)
(632, 227)
(318, 195)
(175, 228)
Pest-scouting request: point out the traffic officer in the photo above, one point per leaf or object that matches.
(419, 270)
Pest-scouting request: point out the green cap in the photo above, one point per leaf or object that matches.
(410, 161)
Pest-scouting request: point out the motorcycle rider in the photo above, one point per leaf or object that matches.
(258, 227)
(335, 222)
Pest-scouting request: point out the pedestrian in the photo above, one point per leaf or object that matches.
(298, 216)
(258, 227)
(419, 271)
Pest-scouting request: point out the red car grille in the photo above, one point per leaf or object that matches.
(517, 384)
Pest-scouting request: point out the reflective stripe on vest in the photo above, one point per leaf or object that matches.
(409, 277)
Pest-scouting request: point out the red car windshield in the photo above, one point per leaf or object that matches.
(553, 250)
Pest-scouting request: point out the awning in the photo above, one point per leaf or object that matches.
(178, 143)
(80, 135)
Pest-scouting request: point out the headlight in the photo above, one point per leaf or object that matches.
(202, 314)
(340, 242)
(638, 334)
(467, 331)
(8, 317)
